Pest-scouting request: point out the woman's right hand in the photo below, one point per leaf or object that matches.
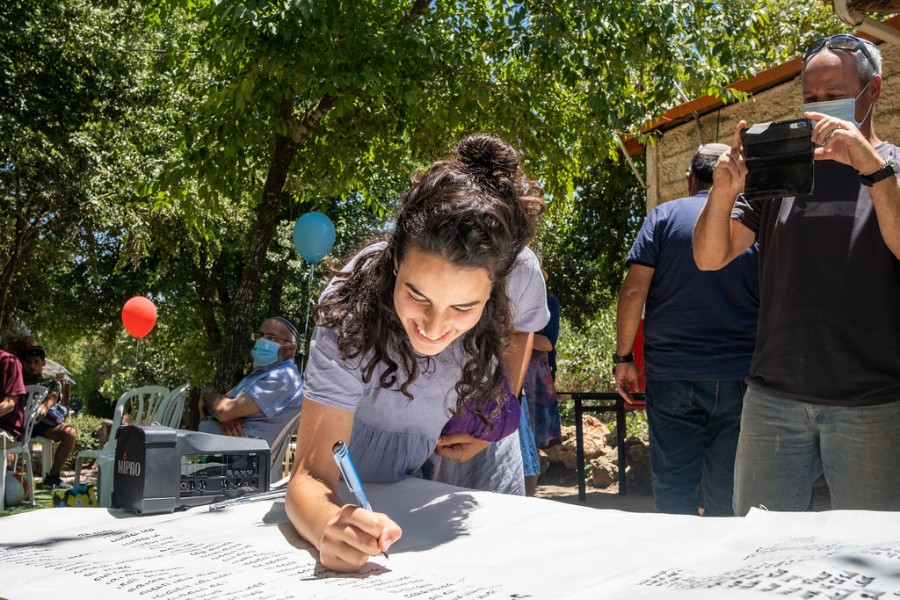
(354, 535)
(345, 534)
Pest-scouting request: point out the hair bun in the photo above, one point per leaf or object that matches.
(488, 157)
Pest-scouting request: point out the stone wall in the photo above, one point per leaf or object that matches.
(668, 158)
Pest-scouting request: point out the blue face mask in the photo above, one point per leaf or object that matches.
(844, 109)
(264, 353)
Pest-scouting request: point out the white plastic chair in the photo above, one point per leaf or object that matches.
(47, 449)
(143, 404)
(34, 397)
(279, 449)
(172, 408)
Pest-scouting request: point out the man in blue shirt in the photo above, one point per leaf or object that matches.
(267, 399)
(699, 333)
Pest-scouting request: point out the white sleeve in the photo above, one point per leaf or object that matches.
(328, 378)
(527, 294)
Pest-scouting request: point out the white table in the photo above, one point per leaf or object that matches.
(457, 544)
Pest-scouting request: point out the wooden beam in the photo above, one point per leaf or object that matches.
(874, 6)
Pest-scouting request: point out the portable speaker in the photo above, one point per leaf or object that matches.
(160, 469)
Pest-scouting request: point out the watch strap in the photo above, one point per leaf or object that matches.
(884, 172)
(617, 359)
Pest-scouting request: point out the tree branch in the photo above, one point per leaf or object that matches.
(312, 118)
(414, 11)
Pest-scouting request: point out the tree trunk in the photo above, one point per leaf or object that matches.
(254, 264)
(22, 238)
(266, 216)
(277, 290)
(208, 294)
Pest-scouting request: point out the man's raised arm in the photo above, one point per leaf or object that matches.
(718, 239)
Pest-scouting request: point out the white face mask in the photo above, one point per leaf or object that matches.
(844, 109)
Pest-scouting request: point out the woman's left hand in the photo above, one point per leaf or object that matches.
(459, 446)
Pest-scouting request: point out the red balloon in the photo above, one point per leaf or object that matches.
(139, 316)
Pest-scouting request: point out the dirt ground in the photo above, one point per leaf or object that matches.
(562, 485)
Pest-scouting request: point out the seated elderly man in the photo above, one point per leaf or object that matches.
(266, 400)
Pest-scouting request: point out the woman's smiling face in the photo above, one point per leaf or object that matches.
(437, 301)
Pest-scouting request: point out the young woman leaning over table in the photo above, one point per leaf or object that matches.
(411, 333)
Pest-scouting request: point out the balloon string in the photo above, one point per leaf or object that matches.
(137, 361)
(312, 269)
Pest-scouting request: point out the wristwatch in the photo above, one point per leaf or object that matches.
(884, 172)
(617, 360)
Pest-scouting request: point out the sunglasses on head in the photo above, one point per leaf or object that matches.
(841, 41)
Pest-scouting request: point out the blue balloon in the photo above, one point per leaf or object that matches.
(313, 236)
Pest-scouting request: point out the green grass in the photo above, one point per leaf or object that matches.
(42, 499)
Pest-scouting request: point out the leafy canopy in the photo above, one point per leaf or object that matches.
(166, 147)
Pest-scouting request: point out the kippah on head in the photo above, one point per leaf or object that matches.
(290, 325)
(713, 149)
(32, 351)
(703, 163)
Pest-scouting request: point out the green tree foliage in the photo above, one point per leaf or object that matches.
(88, 109)
(64, 79)
(305, 98)
(166, 148)
(583, 248)
(583, 353)
(81, 125)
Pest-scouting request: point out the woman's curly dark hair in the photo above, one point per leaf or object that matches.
(475, 209)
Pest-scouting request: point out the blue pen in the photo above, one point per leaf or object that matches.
(344, 461)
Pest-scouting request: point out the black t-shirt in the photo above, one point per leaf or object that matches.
(829, 319)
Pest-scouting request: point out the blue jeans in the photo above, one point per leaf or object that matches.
(785, 445)
(531, 463)
(694, 427)
(209, 425)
